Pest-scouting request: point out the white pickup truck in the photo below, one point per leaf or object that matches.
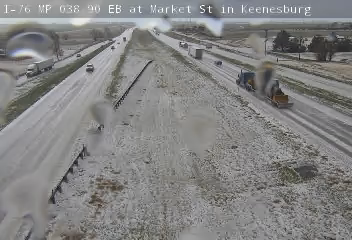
(37, 67)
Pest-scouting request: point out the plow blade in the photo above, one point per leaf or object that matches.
(283, 105)
(281, 101)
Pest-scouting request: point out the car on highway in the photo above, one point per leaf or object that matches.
(89, 68)
(112, 47)
(78, 55)
(118, 42)
(218, 63)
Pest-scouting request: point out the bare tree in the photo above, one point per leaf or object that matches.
(95, 33)
(108, 33)
(323, 48)
(56, 43)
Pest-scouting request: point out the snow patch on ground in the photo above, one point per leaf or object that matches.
(331, 69)
(145, 183)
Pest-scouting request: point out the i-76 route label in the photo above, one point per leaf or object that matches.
(48, 10)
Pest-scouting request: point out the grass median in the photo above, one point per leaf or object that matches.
(182, 37)
(301, 69)
(21, 104)
(111, 90)
(328, 97)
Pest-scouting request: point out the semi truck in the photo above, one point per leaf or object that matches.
(195, 52)
(270, 89)
(37, 67)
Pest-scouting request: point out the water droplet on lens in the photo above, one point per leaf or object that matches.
(32, 44)
(161, 24)
(7, 87)
(215, 26)
(212, 20)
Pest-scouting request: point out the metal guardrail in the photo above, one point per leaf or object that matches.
(84, 151)
(58, 188)
(119, 102)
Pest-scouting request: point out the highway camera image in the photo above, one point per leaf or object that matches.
(117, 123)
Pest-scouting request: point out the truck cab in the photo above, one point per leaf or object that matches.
(183, 45)
(32, 70)
(246, 80)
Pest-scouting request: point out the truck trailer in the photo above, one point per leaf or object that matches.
(195, 52)
(37, 67)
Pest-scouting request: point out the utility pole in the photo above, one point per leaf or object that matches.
(266, 38)
(300, 47)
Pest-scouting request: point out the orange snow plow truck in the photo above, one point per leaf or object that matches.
(269, 87)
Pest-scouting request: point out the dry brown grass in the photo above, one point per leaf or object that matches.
(103, 187)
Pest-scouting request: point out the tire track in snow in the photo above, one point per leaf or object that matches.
(329, 133)
(16, 161)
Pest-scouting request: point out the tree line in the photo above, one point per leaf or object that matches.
(95, 34)
(323, 47)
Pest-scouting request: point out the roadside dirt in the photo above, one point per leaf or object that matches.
(147, 178)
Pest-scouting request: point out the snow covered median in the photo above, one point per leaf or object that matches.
(257, 180)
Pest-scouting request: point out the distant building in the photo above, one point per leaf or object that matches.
(339, 38)
(293, 39)
(333, 36)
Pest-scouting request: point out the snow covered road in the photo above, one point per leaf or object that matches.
(25, 143)
(23, 79)
(309, 79)
(323, 123)
(145, 181)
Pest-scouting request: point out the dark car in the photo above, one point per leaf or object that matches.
(78, 55)
(90, 68)
(112, 47)
(218, 63)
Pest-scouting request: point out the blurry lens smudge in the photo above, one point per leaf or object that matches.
(212, 20)
(7, 86)
(30, 40)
